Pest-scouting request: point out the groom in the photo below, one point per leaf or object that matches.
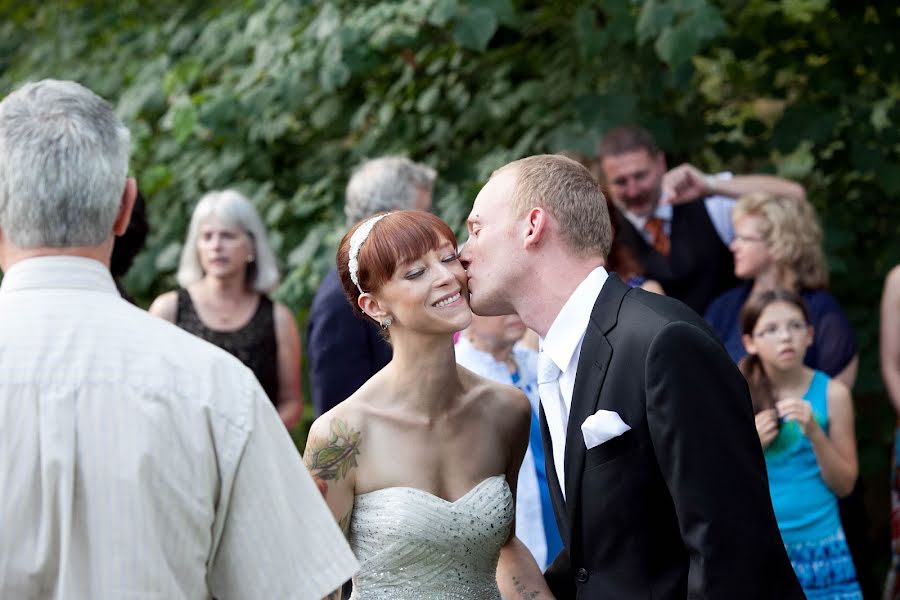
(660, 488)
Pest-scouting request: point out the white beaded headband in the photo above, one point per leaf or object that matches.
(356, 241)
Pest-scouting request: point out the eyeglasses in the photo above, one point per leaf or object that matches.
(748, 238)
(773, 330)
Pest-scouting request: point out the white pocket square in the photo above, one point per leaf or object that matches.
(602, 426)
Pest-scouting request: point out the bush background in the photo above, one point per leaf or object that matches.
(281, 98)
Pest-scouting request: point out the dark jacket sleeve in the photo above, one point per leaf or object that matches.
(343, 350)
(559, 576)
(701, 424)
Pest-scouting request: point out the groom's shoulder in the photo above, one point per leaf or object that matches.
(655, 312)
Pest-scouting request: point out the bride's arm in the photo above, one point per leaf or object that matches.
(518, 574)
(331, 450)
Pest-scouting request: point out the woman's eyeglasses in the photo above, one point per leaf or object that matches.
(748, 238)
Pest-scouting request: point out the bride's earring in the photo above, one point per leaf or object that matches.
(387, 323)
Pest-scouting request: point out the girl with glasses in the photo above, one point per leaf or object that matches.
(805, 424)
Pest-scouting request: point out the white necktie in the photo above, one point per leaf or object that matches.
(556, 412)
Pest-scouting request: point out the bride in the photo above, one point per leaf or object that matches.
(419, 465)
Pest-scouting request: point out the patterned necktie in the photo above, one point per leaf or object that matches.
(659, 239)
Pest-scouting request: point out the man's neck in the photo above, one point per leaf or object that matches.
(642, 215)
(10, 255)
(558, 282)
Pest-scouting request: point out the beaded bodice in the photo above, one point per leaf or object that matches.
(412, 544)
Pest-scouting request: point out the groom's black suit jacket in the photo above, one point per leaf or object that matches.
(677, 507)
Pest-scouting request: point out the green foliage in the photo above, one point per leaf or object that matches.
(280, 98)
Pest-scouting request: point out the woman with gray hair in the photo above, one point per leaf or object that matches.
(226, 272)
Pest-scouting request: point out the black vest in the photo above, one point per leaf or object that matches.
(699, 266)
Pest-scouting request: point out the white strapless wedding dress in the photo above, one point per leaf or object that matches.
(412, 544)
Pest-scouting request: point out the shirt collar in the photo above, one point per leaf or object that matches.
(570, 324)
(663, 212)
(59, 272)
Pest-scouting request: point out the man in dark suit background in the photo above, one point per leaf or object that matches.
(660, 488)
(344, 351)
(677, 223)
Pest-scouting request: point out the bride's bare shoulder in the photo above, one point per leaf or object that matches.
(348, 415)
(505, 403)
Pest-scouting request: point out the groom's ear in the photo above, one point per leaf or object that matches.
(537, 222)
(369, 305)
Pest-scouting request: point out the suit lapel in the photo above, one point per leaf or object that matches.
(593, 363)
(559, 503)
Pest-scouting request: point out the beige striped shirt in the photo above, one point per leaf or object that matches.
(137, 461)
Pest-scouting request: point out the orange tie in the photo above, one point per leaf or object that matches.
(658, 236)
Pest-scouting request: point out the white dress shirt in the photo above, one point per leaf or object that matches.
(137, 461)
(563, 346)
(718, 208)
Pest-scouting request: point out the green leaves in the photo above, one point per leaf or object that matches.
(474, 27)
(284, 98)
(474, 23)
(799, 163)
(655, 17)
(326, 22)
(681, 28)
(281, 99)
(803, 11)
(184, 120)
(442, 11)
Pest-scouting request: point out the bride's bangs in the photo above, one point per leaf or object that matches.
(401, 237)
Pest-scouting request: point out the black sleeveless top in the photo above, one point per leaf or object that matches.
(254, 343)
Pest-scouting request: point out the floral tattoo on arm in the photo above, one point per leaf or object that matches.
(331, 458)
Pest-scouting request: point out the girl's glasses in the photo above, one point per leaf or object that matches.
(772, 330)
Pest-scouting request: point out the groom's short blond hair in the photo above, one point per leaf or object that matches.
(570, 193)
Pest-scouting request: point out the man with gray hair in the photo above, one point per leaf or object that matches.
(343, 349)
(135, 459)
(388, 183)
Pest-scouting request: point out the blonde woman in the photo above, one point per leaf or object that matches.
(778, 244)
(227, 269)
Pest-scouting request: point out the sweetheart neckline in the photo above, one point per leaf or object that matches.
(435, 496)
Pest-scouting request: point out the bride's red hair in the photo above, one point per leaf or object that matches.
(401, 236)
